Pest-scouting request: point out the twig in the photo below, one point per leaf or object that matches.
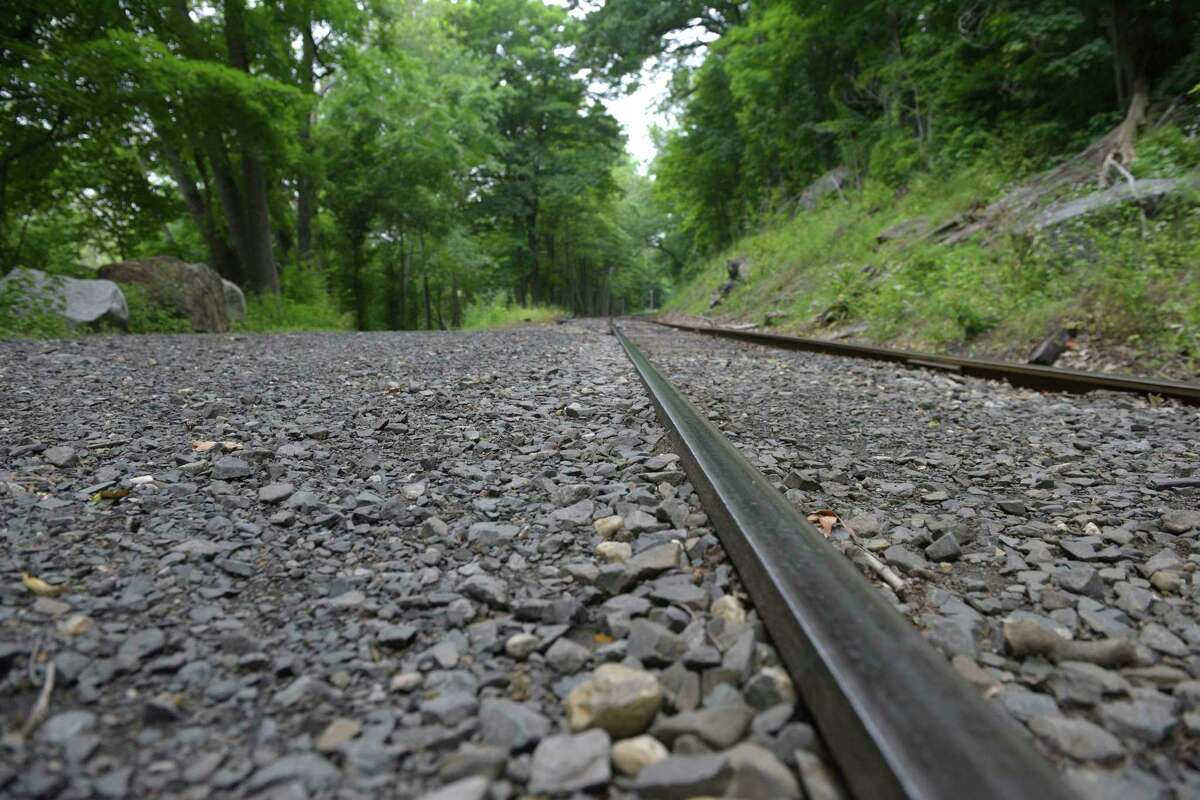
(884, 572)
(42, 706)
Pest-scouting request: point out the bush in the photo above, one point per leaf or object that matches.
(498, 312)
(146, 316)
(20, 318)
(303, 304)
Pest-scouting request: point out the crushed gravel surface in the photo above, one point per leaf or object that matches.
(393, 565)
(1040, 554)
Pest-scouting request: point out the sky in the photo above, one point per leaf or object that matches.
(638, 112)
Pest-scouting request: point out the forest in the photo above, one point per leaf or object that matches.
(396, 164)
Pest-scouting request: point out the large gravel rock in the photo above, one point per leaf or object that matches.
(617, 699)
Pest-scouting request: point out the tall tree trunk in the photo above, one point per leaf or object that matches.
(257, 254)
(438, 307)
(455, 302)
(533, 278)
(395, 292)
(230, 197)
(305, 184)
(356, 282)
(221, 256)
(402, 285)
(428, 302)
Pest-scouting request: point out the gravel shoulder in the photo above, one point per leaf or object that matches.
(1039, 556)
(375, 565)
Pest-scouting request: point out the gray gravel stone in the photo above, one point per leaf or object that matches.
(1077, 738)
(570, 762)
(505, 723)
(680, 777)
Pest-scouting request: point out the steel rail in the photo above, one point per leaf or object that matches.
(1031, 376)
(899, 721)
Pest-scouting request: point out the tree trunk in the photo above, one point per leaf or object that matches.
(455, 303)
(257, 255)
(533, 278)
(305, 185)
(428, 302)
(221, 256)
(438, 307)
(356, 283)
(230, 198)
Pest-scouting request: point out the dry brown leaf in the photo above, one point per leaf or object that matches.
(39, 586)
(825, 519)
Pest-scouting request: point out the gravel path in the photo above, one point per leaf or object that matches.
(1039, 555)
(369, 566)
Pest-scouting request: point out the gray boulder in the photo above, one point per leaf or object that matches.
(78, 301)
(235, 301)
(193, 291)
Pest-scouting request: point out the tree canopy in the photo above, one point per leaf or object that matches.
(415, 156)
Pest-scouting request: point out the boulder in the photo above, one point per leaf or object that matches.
(79, 301)
(1144, 191)
(195, 291)
(235, 301)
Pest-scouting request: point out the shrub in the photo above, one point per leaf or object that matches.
(497, 312)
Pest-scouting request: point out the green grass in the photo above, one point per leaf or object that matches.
(494, 313)
(304, 303)
(1114, 275)
(145, 316)
(281, 314)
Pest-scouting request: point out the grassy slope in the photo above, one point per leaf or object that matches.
(1131, 285)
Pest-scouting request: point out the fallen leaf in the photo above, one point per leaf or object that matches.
(203, 446)
(110, 494)
(826, 519)
(39, 586)
(603, 638)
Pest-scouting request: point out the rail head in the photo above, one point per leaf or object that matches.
(1030, 376)
(901, 723)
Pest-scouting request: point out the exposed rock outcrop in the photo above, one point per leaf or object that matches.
(195, 291)
(79, 301)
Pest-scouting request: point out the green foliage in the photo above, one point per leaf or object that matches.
(146, 316)
(22, 318)
(1113, 275)
(304, 303)
(499, 311)
(892, 90)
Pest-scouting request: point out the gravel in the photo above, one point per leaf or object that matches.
(1039, 552)
(370, 565)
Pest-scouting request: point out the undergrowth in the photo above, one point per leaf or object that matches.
(304, 303)
(496, 312)
(1127, 275)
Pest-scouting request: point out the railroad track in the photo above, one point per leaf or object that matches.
(899, 721)
(1031, 376)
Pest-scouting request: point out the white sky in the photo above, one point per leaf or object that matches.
(638, 113)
